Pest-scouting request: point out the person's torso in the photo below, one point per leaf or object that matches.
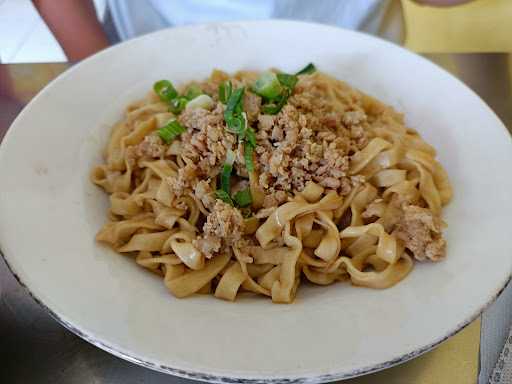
(137, 17)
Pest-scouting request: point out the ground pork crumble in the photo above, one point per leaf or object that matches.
(420, 231)
(306, 141)
(310, 139)
(224, 224)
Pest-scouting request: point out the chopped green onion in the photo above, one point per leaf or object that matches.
(225, 90)
(230, 157)
(250, 136)
(272, 105)
(243, 198)
(310, 68)
(193, 91)
(224, 196)
(178, 105)
(202, 101)
(289, 81)
(232, 104)
(271, 109)
(267, 85)
(171, 130)
(248, 151)
(165, 90)
(233, 115)
(227, 168)
(235, 124)
(274, 108)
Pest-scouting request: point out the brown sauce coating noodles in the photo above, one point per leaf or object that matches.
(341, 191)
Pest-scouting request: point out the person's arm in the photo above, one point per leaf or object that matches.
(75, 26)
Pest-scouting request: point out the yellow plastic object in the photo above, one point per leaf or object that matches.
(455, 361)
(477, 26)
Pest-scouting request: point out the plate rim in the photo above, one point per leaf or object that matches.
(197, 374)
(222, 379)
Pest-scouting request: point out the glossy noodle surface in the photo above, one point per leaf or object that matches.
(297, 178)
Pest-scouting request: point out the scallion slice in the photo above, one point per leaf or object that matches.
(267, 85)
(289, 81)
(243, 198)
(225, 90)
(224, 196)
(202, 101)
(234, 101)
(250, 136)
(235, 124)
(178, 105)
(165, 90)
(275, 107)
(272, 105)
(271, 109)
(193, 91)
(171, 130)
(227, 168)
(233, 115)
(248, 156)
(308, 69)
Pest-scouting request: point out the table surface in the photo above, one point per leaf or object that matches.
(34, 348)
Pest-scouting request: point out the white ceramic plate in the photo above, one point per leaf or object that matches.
(50, 212)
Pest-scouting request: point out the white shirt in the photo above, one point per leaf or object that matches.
(136, 17)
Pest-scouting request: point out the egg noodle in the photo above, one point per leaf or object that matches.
(274, 214)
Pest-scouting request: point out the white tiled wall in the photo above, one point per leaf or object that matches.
(25, 38)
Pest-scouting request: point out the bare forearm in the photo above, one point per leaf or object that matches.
(74, 25)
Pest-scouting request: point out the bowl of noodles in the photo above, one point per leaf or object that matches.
(240, 210)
